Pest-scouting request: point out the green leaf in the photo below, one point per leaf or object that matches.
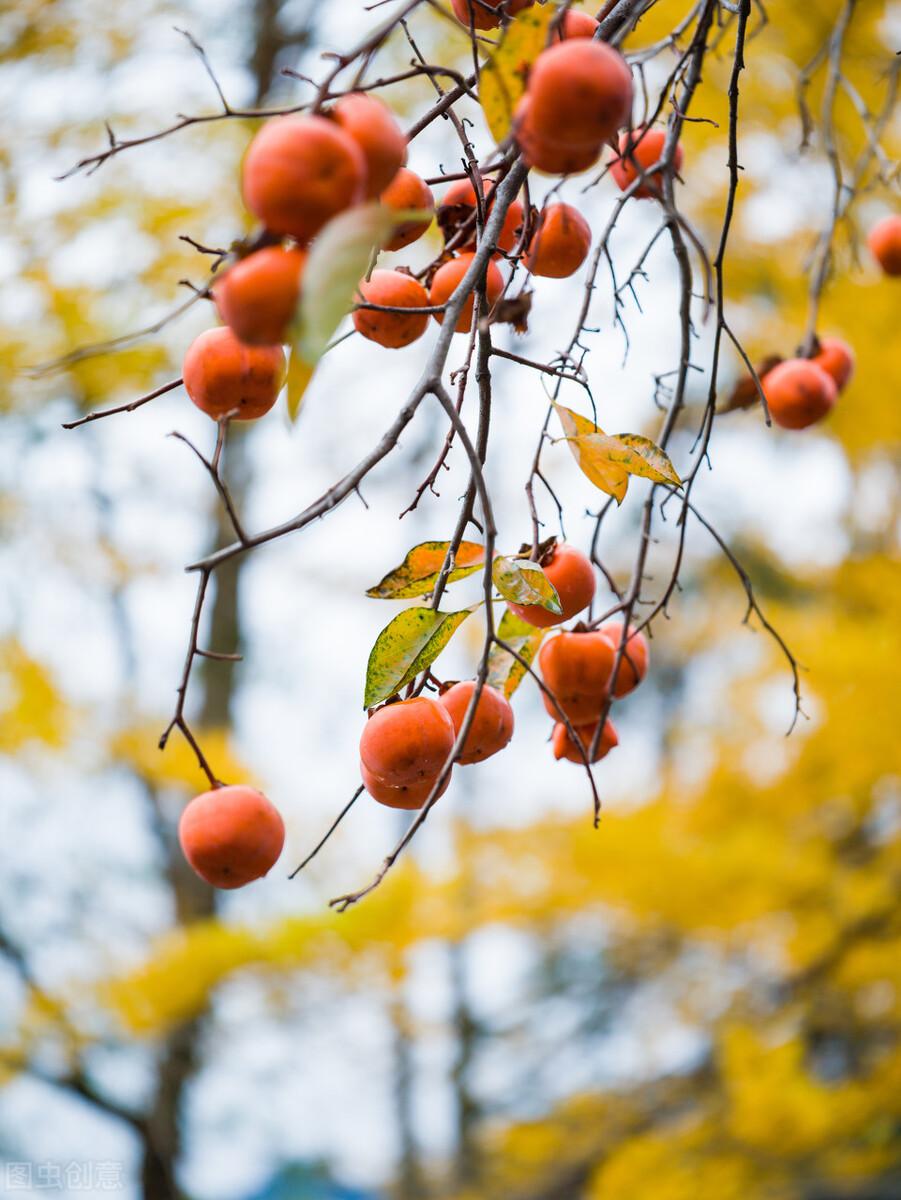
(339, 258)
(503, 77)
(504, 671)
(593, 459)
(418, 573)
(407, 645)
(524, 582)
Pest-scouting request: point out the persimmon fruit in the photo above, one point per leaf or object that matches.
(560, 243)
(396, 290)
(492, 722)
(486, 14)
(573, 576)
(798, 393)
(580, 93)
(407, 191)
(372, 126)
(299, 172)
(446, 281)
(564, 747)
(404, 795)
(459, 203)
(577, 669)
(223, 375)
(231, 835)
(407, 742)
(639, 150)
(633, 665)
(577, 24)
(884, 240)
(546, 154)
(257, 297)
(836, 358)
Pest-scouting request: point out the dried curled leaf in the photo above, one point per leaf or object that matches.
(504, 671)
(418, 573)
(524, 582)
(407, 645)
(503, 77)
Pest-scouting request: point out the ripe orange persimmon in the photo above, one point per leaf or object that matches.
(223, 375)
(446, 280)
(459, 203)
(577, 24)
(257, 297)
(397, 290)
(633, 665)
(798, 393)
(492, 722)
(572, 575)
(371, 125)
(407, 191)
(560, 242)
(407, 742)
(405, 795)
(884, 240)
(546, 153)
(299, 172)
(231, 835)
(836, 358)
(564, 747)
(486, 14)
(639, 150)
(577, 668)
(580, 93)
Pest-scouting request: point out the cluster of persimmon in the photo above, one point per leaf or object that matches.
(802, 391)
(405, 744)
(301, 171)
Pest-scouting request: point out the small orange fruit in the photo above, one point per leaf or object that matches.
(257, 297)
(404, 795)
(798, 393)
(299, 172)
(492, 722)
(884, 240)
(633, 665)
(577, 24)
(560, 243)
(407, 191)
(447, 279)
(577, 669)
(836, 358)
(565, 747)
(396, 290)
(231, 835)
(580, 93)
(572, 575)
(407, 742)
(458, 205)
(547, 154)
(223, 375)
(639, 150)
(371, 125)
(486, 14)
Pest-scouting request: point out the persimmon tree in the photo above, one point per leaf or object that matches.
(561, 95)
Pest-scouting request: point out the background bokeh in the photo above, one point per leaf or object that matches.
(698, 1001)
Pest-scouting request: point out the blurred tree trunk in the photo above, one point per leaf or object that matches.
(194, 900)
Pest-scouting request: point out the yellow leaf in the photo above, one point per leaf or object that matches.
(300, 372)
(503, 77)
(611, 477)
